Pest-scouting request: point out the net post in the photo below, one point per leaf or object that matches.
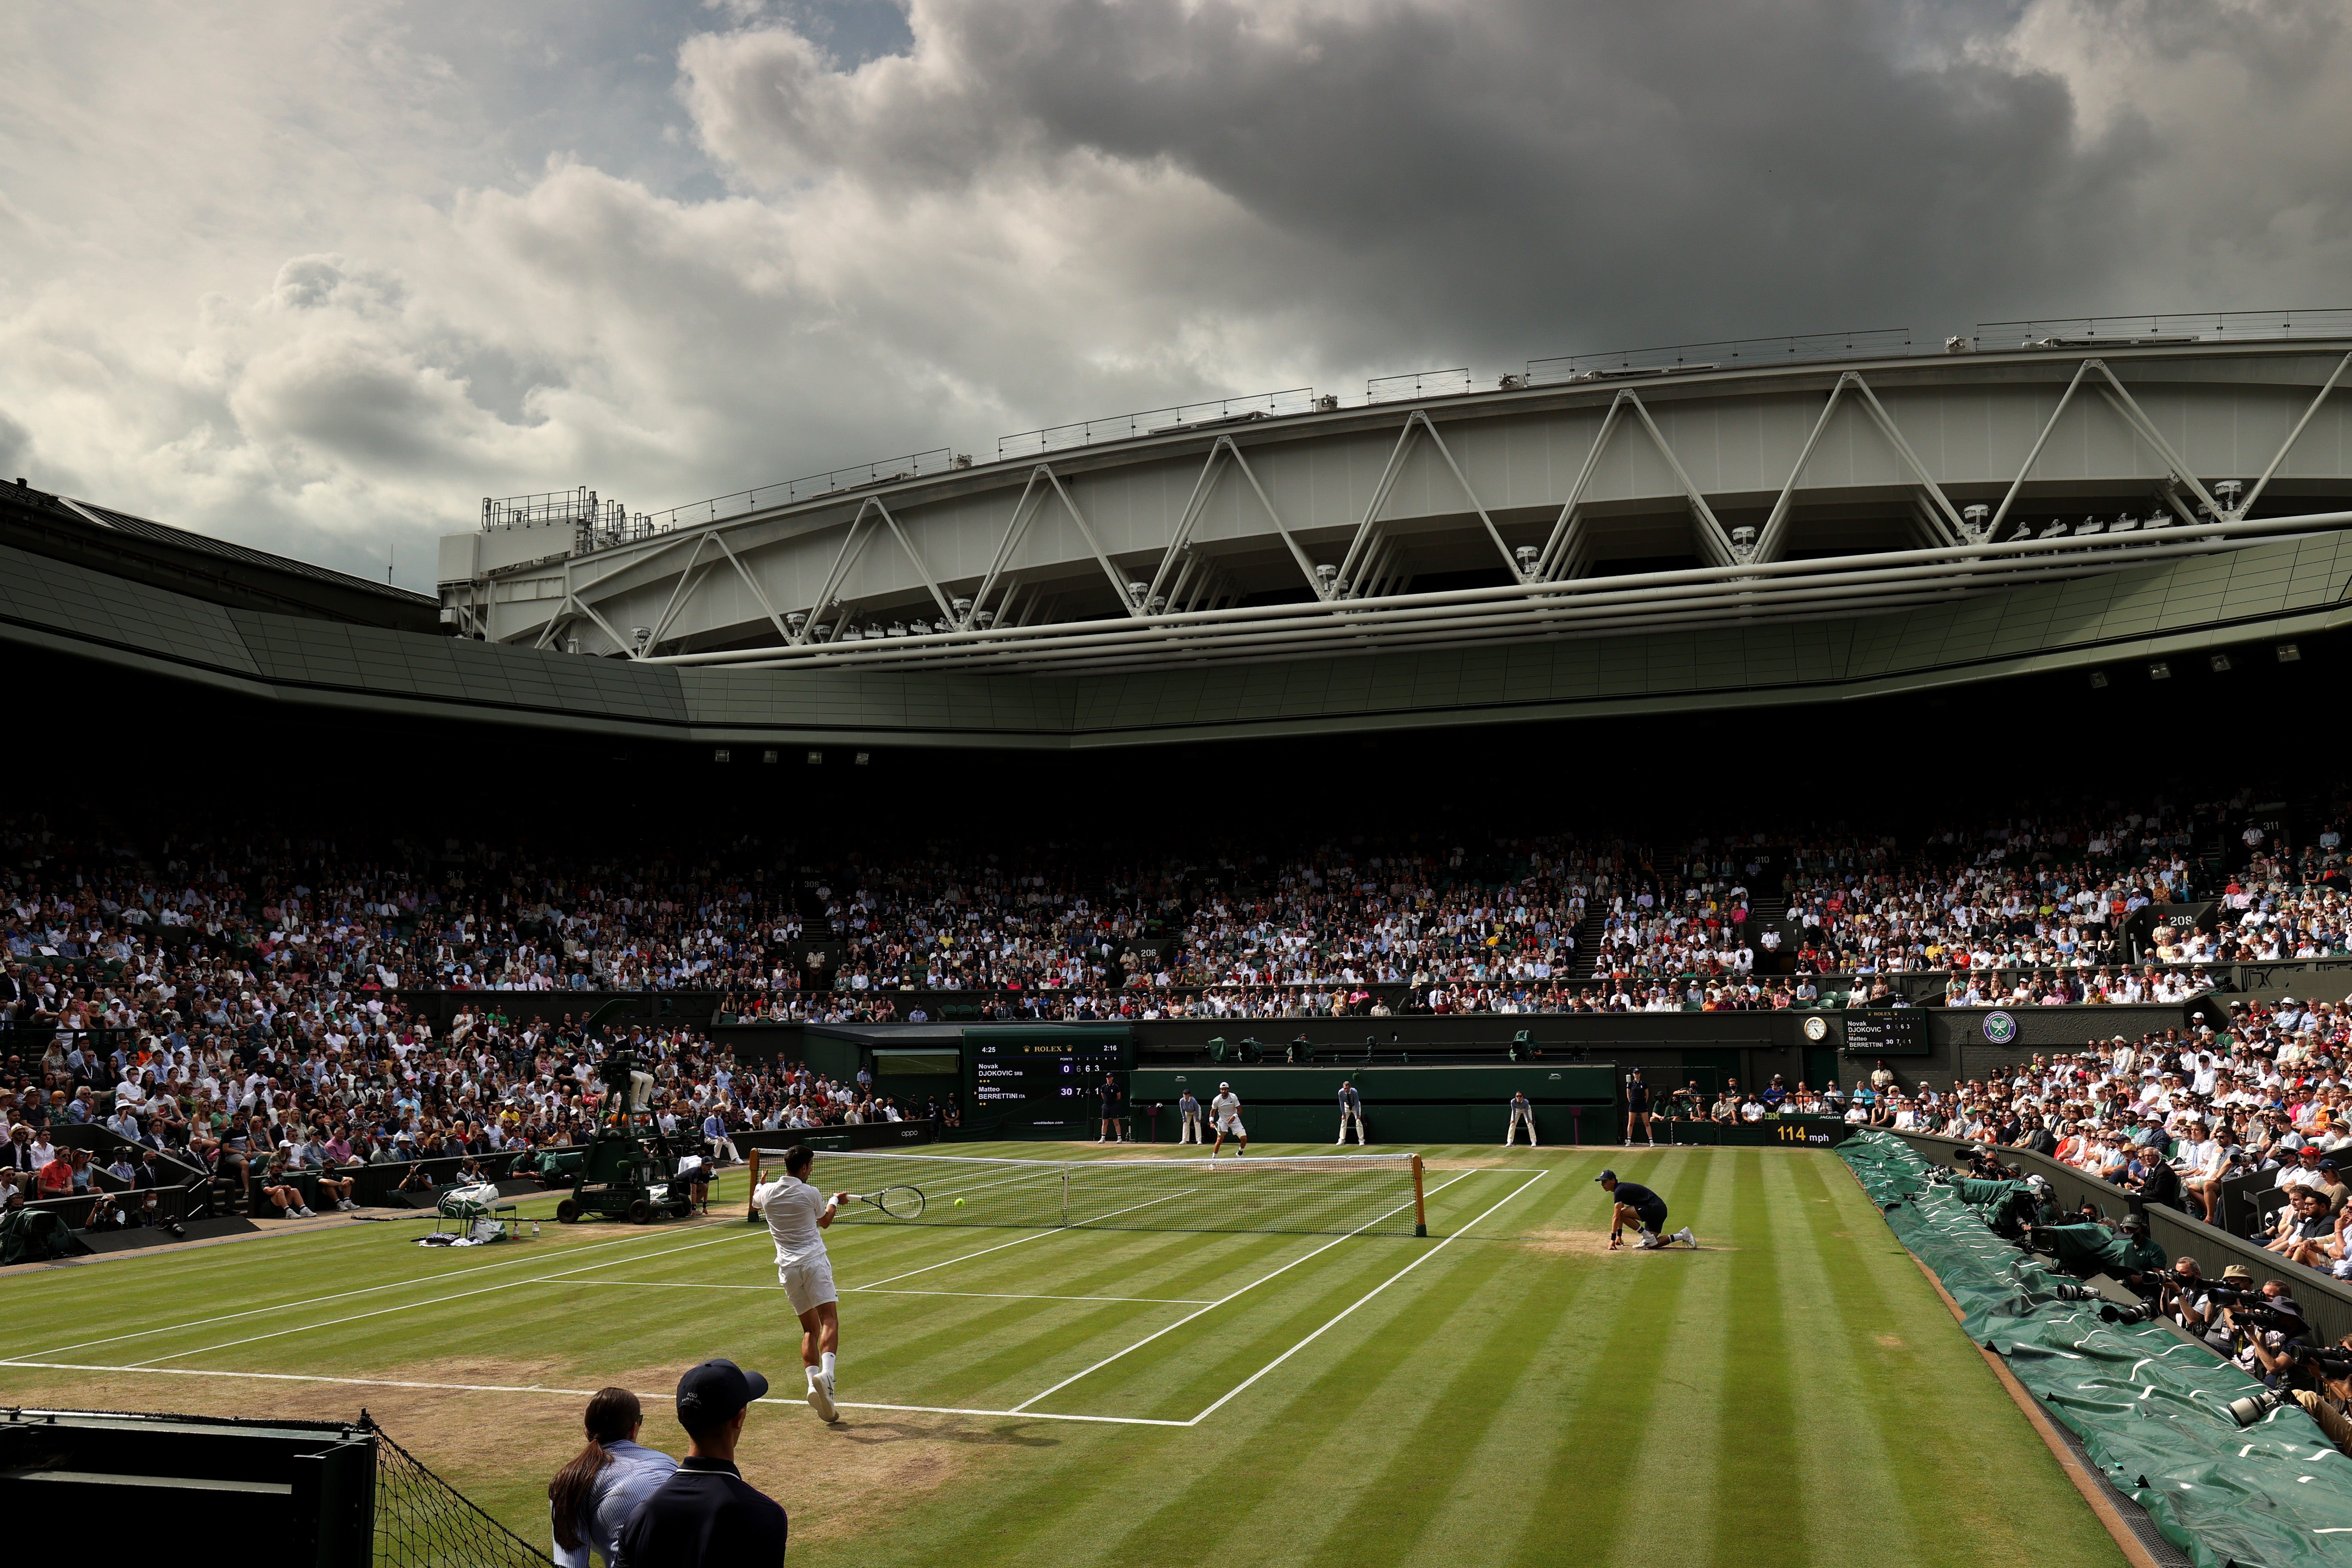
(1419, 1209)
(751, 1205)
(1065, 1194)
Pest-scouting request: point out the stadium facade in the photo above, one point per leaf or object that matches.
(1794, 522)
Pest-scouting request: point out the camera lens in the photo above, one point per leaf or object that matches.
(2254, 1406)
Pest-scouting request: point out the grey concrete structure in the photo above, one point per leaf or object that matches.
(1804, 534)
(1612, 504)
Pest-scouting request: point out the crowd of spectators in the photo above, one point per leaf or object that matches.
(2173, 1116)
(269, 1086)
(247, 1003)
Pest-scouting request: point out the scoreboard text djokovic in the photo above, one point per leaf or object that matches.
(1042, 1073)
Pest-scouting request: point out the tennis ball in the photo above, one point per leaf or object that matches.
(958, 1202)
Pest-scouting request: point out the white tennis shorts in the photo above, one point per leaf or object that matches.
(1233, 1124)
(807, 1282)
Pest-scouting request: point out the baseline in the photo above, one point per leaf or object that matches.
(558, 1393)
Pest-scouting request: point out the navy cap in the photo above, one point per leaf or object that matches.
(713, 1391)
(1606, 1176)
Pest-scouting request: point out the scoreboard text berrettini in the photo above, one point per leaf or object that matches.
(1044, 1072)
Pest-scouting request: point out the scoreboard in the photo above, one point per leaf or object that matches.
(1044, 1071)
(1894, 1032)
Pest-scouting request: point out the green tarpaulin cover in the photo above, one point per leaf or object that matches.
(2151, 1409)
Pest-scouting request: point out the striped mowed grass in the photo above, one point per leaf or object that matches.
(1501, 1393)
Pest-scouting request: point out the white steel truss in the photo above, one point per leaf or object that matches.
(1566, 546)
(1416, 424)
(1844, 585)
(1177, 599)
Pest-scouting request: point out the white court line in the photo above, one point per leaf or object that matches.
(1037, 1235)
(560, 1393)
(1245, 1289)
(440, 1301)
(988, 1295)
(1006, 1296)
(363, 1290)
(1366, 1296)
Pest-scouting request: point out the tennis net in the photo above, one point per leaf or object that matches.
(1372, 1194)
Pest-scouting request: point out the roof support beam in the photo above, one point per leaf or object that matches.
(2136, 418)
(1417, 421)
(1713, 540)
(2033, 454)
(1117, 582)
(1563, 552)
(758, 594)
(2292, 436)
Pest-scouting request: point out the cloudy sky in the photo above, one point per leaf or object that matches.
(319, 278)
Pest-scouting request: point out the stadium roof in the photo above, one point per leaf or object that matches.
(140, 550)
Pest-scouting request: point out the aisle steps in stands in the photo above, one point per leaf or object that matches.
(1587, 940)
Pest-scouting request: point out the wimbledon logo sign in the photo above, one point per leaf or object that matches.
(2000, 1028)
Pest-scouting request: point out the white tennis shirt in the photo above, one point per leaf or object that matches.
(790, 1207)
(1227, 1106)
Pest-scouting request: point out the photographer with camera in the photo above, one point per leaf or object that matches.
(2328, 1398)
(2180, 1296)
(2252, 1327)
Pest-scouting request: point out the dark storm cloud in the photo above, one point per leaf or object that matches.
(1498, 175)
(398, 256)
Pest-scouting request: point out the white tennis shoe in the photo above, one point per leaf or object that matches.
(1649, 1242)
(820, 1397)
(1686, 1238)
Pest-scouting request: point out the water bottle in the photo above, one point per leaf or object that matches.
(534, 1230)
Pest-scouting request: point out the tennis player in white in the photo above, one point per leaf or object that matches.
(1225, 1110)
(797, 1215)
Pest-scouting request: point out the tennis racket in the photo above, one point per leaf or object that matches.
(898, 1203)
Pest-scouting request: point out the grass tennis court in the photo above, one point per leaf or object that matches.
(1502, 1391)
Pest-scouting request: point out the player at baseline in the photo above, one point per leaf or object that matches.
(797, 1215)
(1352, 1110)
(1225, 1110)
(1523, 1114)
(1638, 1206)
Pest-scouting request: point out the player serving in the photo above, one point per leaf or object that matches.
(1225, 1110)
(1638, 1206)
(797, 1215)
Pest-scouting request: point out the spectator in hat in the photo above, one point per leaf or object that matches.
(706, 1515)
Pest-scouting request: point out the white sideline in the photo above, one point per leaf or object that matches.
(558, 1393)
(361, 1290)
(1366, 1296)
(987, 1295)
(1251, 1286)
(439, 1300)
